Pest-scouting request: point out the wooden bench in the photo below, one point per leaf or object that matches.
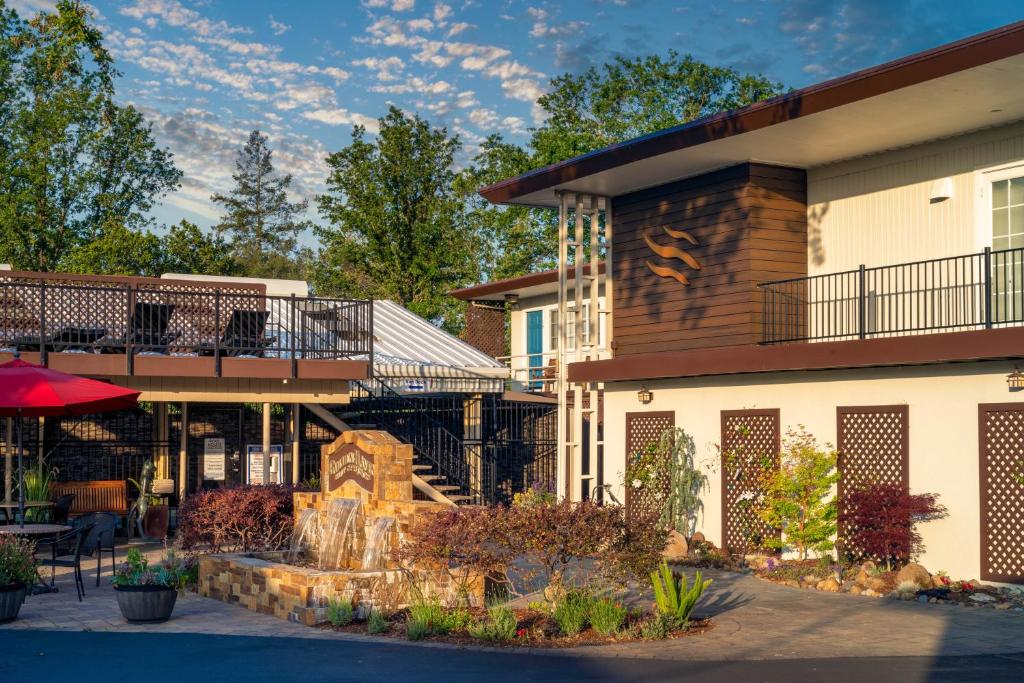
(94, 496)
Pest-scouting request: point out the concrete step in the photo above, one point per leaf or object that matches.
(446, 487)
(433, 477)
(458, 499)
(422, 468)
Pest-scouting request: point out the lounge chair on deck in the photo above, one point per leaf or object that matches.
(147, 330)
(66, 339)
(245, 335)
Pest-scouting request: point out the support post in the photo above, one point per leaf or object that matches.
(561, 386)
(9, 460)
(988, 288)
(861, 301)
(296, 435)
(41, 452)
(266, 443)
(183, 455)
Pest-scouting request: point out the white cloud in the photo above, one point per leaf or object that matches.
(340, 117)
(276, 26)
(298, 95)
(173, 13)
(543, 29)
(442, 12)
(395, 5)
(414, 84)
(466, 99)
(386, 69)
(456, 29)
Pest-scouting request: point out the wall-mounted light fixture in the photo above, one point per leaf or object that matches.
(941, 190)
(645, 395)
(1015, 380)
(512, 299)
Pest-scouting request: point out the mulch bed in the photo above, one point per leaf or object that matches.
(540, 632)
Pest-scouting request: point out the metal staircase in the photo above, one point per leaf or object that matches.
(431, 424)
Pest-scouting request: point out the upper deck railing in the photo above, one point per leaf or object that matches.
(177, 318)
(969, 292)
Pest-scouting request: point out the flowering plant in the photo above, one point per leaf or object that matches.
(17, 561)
(171, 572)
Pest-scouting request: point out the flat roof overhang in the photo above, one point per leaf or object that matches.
(526, 286)
(926, 349)
(971, 84)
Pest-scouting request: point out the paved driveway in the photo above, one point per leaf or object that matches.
(754, 620)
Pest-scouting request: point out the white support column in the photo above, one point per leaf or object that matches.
(183, 455)
(266, 443)
(561, 386)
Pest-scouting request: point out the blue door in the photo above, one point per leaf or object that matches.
(535, 346)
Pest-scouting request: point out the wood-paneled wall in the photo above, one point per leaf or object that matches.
(750, 222)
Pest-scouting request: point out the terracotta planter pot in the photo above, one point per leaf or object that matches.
(11, 597)
(154, 524)
(146, 604)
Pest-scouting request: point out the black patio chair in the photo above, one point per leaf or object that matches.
(61, 509)
(66, 339)
(71, 560)
(102, 526)
(244, 335)
(147, 330)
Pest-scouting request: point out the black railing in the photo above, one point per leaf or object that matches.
(974, 291)
(47, 317)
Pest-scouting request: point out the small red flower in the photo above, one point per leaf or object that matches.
(521, 633)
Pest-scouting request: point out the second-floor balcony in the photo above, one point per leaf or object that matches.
(127, 326)
(957, 293)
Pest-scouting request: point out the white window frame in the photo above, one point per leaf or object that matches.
(983, 180)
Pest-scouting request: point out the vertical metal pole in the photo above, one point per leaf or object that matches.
(988, 287)
(183, 454)
(216, 333)
(129, 332)
(266, 443)
(296, 431)
(291, 336)
(21, 476)
(861, 298)
(9, 461)
(609, 298)
(42, 323)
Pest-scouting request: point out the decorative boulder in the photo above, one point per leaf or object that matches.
(829, 585)
(757, 561)
(876, 584)
(866, 572)
(677, 548)
(915, 573)
(698, 538)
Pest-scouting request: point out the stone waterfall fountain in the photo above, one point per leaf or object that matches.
(342, 541)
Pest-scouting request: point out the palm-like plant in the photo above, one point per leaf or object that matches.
(674, 599)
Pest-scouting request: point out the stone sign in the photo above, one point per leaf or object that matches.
(348, 463)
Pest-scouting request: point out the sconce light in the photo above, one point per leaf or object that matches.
(1015, 380)
(942, 189)
(512, 299)
(645, 395)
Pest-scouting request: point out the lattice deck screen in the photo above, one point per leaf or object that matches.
(749, 437)
(1001, 437)
(642, 430)
(874, 447)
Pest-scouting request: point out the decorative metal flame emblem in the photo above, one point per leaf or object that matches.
(671, 252)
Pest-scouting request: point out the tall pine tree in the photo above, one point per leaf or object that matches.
(261, 225)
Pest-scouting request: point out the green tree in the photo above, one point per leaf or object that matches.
(116, 250)
(73, 163)
(261, 225)
(799, 498)
(393, 219)
(630, 97)
(187, 249)
(511, 240)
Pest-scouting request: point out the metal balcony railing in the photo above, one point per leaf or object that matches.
(48, 316)
(969, 292)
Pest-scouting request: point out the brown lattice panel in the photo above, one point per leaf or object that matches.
(1001, 437)
(749, 436)
(643, 430)
(874, 448)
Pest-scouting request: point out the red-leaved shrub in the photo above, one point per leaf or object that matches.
(878, 522)
(238, 518)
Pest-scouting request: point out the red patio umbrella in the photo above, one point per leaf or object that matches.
(29, 390)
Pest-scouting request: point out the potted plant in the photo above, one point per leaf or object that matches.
(17, 573)
(146, 594)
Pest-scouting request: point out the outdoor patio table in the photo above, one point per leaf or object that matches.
(13, 505)
(36, 530)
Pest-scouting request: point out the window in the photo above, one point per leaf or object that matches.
(553, 329)
(1007, 207)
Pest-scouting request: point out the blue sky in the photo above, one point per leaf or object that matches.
(206, 72)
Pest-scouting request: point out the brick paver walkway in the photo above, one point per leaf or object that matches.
(753, 620)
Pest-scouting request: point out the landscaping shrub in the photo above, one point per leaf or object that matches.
(462, 541)
(669, 476)
(500, 625)
(655, 627)
(673, 598)
(798, 496)
(416, 629)
(340, 612)
(431, 615)
(376, 622)
(572, 611)
(879, 522)
(237, 519)
(607, 616)
(17, 560)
